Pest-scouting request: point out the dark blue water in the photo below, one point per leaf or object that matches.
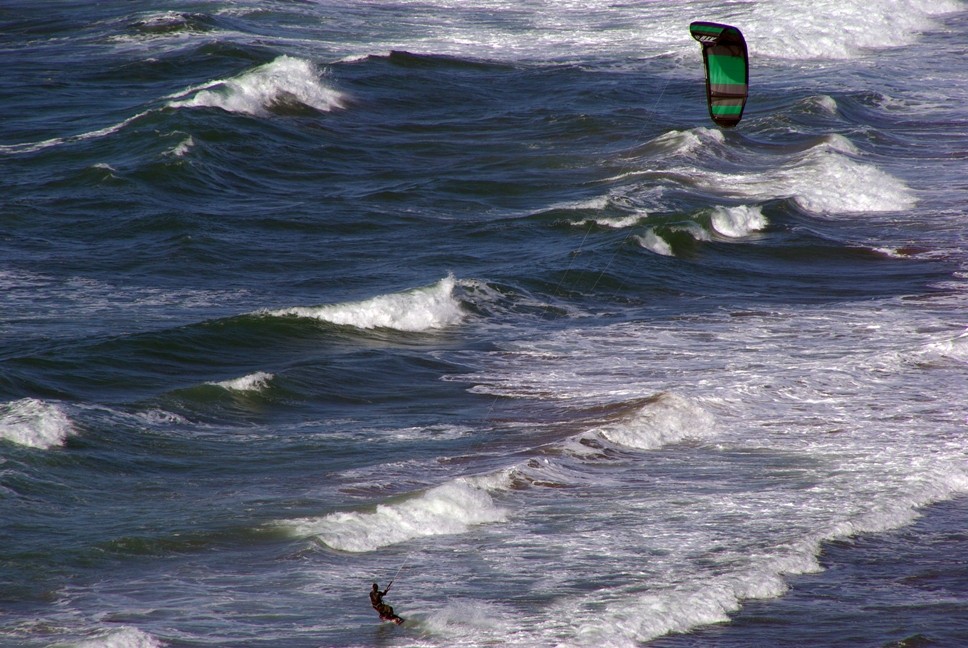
(295, 297)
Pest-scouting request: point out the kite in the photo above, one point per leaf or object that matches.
(727, 70)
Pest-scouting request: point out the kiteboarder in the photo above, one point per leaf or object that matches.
(385, 611)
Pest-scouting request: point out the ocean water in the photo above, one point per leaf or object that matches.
(473, 297)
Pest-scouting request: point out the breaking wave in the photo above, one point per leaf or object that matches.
(285, 82)
(252, 382)
(421, 309)
(35, 423)
(447, 509)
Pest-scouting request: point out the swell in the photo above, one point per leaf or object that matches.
(357, 347)
(565, 460)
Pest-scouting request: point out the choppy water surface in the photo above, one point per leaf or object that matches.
(474, 297)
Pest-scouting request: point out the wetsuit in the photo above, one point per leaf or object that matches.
(384, 610)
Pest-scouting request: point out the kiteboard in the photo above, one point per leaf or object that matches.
(392, 619)
(726, 61)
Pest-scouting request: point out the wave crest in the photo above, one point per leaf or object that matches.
(825, 179)
(126, 637)
(286, 81)
(34, 423)
(250, 383)
(447, 509)
(417, 310)
(668, 418)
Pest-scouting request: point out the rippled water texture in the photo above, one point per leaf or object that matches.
(474, 298)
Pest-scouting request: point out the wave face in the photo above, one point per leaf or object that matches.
(474, 298)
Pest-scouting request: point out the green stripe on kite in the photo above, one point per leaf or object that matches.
(726, 62)
(704, 27)
(727, 69)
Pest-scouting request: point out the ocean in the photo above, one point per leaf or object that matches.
(473, 297)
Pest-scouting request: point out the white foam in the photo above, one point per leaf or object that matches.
(183, 147)
(596, 203)
(35, 423)
(669, 418)
(831, 29)
(161, 417)
(823, 181)
(836, 143)
(460, 616)
(285, 80)
(654, 243)
(622, 34)
(892, 253)
(252, 382)
(613, 222)
(955, 348)
(644, 616)
(739, 221)
(549, 471)
(447, 509)
(823, 103)
(421, 309)
(126, 637)
(836, 184)
(653, 615)
(601, 204)
(163, 21)
(695, 230)
(640, 617)
(678, 142)
(256, 92)
(31, 147)
(831, 177)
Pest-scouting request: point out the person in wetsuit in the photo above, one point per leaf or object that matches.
(385, 611)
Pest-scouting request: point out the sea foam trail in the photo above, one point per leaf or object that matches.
(640, 617)
(31, 147)
(456, 506)
(286, 80)
(34, 423)
(421, 309)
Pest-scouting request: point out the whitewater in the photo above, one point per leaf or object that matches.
(473, 297)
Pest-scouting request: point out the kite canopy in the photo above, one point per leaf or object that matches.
(727, 70)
